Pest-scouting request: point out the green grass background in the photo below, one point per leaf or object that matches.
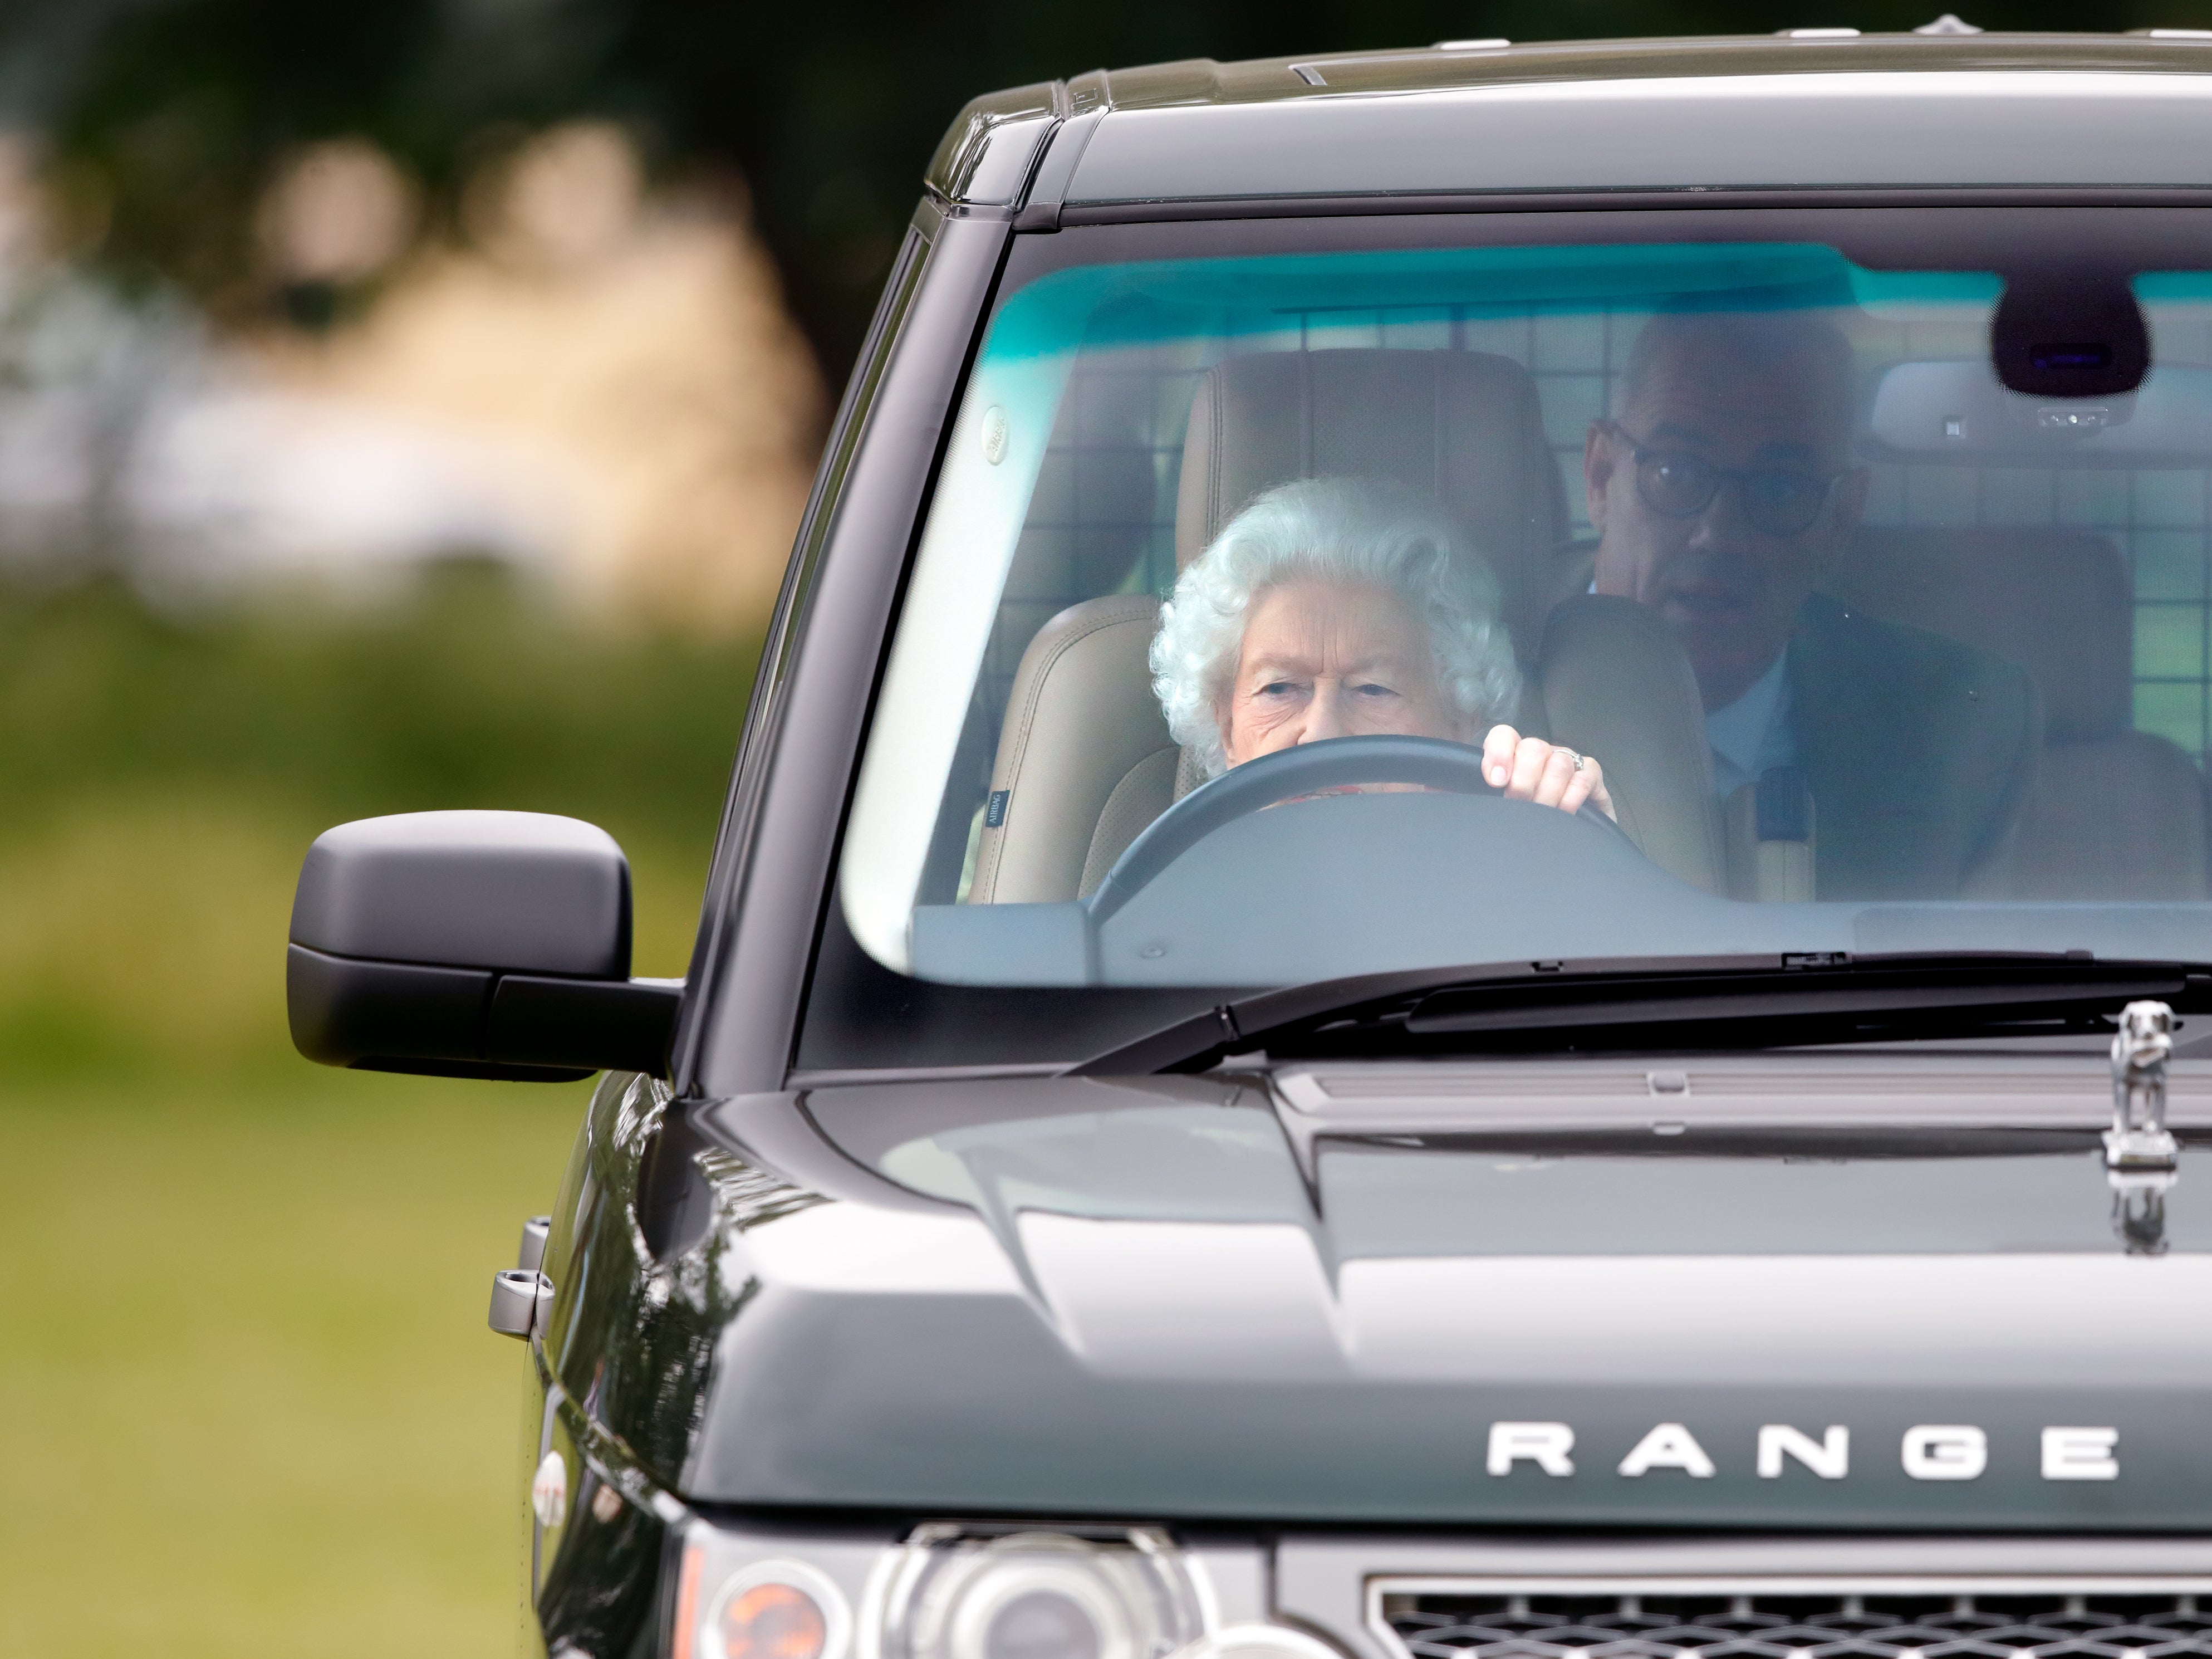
(252, 1405)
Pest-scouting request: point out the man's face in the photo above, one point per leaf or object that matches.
(1729, 577)
(1322, 661)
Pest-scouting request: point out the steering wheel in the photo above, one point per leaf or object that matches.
(1303, 770)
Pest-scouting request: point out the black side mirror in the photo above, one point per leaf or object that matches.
(471, 944)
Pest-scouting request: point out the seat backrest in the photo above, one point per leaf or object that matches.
(2111, 818)
(1085, 759)
(2114, 813)
(1616, 684)
(2059, 603)
(1463, 427)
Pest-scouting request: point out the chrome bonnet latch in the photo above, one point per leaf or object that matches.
(2139, 1138)
(2140, 1152)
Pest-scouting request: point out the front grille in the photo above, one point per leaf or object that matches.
(1453, 1625)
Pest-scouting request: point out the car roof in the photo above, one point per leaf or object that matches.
(1809, 111)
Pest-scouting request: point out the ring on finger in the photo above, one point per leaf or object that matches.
(1577, 759)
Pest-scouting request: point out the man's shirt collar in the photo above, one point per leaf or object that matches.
(1753, 733)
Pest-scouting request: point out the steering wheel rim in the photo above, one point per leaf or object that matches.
(1301, 769)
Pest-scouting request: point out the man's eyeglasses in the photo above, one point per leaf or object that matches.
(1778, 501)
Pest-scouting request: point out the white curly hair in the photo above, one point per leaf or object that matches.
(1356, 532)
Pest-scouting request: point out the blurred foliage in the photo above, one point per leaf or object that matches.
(161, 778)
(169, 115)
(468, 691)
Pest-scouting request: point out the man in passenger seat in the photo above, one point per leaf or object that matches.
(1720, 493)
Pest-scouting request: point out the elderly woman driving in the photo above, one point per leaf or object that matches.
(1344, 607)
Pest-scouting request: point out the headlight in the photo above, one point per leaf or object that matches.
(960, 1593)
(779, 1608)
(985, 1591)
(776, 1610)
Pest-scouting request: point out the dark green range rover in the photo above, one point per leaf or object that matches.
(1465, 915)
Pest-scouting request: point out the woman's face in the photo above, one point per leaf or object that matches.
(1322, 661)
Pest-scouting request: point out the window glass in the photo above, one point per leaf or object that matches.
(1792, 628)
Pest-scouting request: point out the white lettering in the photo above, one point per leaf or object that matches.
(1829, 1457)
(2080, 1455)
(1946, 1451)
(1669, 1446)
(1544, 1444)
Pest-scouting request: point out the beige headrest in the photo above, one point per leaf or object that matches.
(2059, 603)
(1462, 426)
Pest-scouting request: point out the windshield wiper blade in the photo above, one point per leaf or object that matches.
(1734, 1002)
(1886, 991)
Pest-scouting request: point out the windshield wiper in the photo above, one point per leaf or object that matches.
(1738, 1002)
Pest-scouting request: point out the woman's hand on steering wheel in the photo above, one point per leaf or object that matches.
(1548, 774)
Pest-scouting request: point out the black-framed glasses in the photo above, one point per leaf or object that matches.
(1778, 500)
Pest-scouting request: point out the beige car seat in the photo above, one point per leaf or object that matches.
(2114, 813)
(1085, 760)
(1617, 684)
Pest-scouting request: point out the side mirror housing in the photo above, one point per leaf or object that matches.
(471, 944)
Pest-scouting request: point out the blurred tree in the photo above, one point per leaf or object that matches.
(169, 116)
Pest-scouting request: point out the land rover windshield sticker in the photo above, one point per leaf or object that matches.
(1928, 1451)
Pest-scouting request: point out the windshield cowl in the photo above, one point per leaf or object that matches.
(1791, 1000)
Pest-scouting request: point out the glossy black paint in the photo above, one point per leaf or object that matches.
(1379, 124)
(1778, 135)
(631, 1334)
(793, 770)
(918, 1346)
(989, 150)
(1054, 1297)
(598, 1592)
(764, 710)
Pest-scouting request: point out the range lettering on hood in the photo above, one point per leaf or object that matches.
(1928, 1451)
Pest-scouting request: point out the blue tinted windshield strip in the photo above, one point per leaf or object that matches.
(1146, 303)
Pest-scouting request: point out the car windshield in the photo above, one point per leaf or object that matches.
(1282, 616)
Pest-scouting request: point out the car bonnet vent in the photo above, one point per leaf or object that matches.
(1446, 1624)
(1868, 1092)
(1531, 1083)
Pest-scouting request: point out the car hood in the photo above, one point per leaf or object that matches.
(1166, 1297)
